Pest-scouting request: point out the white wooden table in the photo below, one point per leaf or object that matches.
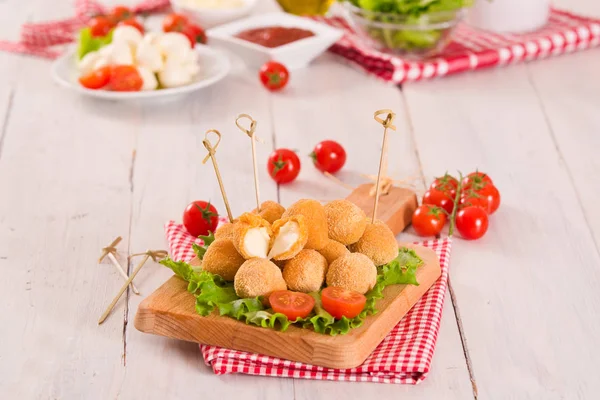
(520, 321)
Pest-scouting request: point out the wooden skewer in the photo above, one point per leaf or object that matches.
(110, 251)
(211, 154)
(387, 124)
(251, 134)
(338, 181)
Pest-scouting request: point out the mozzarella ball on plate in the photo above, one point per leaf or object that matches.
(378, 243)
(333, 250)
(316, 220)
(305, 272)
(354, 271)
(127, 34)
(289, 237)
(148, 56)
(252, 236)
(258, 277)
(223, 259)
(346, 221)
(149, 81)
(270, 210)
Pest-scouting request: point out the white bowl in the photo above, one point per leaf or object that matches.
(214, 66)
(209, 17)
(293, 55)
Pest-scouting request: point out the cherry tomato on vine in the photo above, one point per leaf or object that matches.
(200, 217)
(428, 220)
(274, 76)
(472, 222)
(96, 79)
(487, 198)
(120, 13)
(341, 302)
(446, 183)
(133, 23)
(125, 78)
(100, 26)
(328, 156)
(476, 180)
(439, 198)
(293, 305)
(283, 165)
(195, 34)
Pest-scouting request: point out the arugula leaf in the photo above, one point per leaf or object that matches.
(88, 43)
(200, 250)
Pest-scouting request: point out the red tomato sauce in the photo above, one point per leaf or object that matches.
(274, 36)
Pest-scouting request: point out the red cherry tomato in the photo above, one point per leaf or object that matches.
(472, 222)
(274, 76)
(487, 198)
(134, 23)
(438, 198)
(283, 165)
(125, 78)
(293, 305)
(120, 13)
(428, 220)
(476, 180)
(340, 302)
(328, 156)
(195, 34)
(96, 79)
(175, 23)
(447, 184)
(100, 26)
(200, 218)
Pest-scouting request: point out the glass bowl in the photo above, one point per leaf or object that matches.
(405, 35)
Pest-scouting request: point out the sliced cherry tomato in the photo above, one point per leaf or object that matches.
(487, 198)
(274, 75)
(200, 217)
(428, 220)
(328, 156)
(472, 222)
(293, 305)
(340, 302)
(96, 79)
(447, 184)
(125, 78)
(476, 180)
(195, 34)
(174, 23)
(120, 13)
(100, 26)
(438, 198)
(283, 165)
(134, 23)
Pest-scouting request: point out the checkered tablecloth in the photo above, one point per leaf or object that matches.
(404, 356)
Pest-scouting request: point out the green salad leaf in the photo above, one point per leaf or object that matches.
(88, 43)
(201, 250)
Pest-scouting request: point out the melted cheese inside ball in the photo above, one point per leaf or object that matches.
(256, 242)
(289, 234)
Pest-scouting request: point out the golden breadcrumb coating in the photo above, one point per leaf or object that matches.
(378, 243)
(316, 220)
(223, 259)
(258, 277)
(346, 221)
(354, 271)
(260, 227)
(270, 210)
(225, 231)
(297, 230)
(305, 272)
(333, 251)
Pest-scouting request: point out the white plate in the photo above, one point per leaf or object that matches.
(214, 66)
(293, 55)
(209, 17)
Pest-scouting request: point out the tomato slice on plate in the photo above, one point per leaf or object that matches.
(125, 78)
(96, 79)
(340, 302)
(293, 305)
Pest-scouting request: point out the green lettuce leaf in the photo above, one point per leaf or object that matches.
(88, 43)
(201, 250)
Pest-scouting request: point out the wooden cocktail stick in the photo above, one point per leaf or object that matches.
(158, 254)
(338, 181)
(110, 251)
(387, 124)
(211, 154)
(251, 134)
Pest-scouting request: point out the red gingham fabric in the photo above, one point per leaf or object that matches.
(471, 48)
(404, 356)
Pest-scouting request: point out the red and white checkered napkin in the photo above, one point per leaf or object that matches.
(404, 356)
(471, 48)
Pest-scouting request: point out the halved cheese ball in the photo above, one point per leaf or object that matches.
(258, 277)
(346, 221)
(354, 271)
(289, 237)
(316, 220)
(305, 272)
(333, 250)
(223, 259)
(270, 210)
(252, 236)
(378, 243)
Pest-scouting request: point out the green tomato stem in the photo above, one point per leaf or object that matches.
(455, 209)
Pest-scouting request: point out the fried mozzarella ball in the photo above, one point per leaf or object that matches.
(226, 231)
(288, 238)
(333, 250)
(346, 221)
(378, 243)
(316, 220)
(270, 210)
(305, 272)
(354, 271)
(252, 236)
(258, 277)
(223, 259)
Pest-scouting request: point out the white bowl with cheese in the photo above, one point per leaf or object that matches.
(209, 13)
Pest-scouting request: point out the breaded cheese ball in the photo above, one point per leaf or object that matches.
(305, 272)
(316, 220)
(378, 243)
(354, 271)
(223, 259)
(333, 250)
(258, 277)
(346, 221)
(289, 237)
(270, 210)
(252, 236)
(225, 231)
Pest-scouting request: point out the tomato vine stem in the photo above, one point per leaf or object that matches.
(455, 209)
